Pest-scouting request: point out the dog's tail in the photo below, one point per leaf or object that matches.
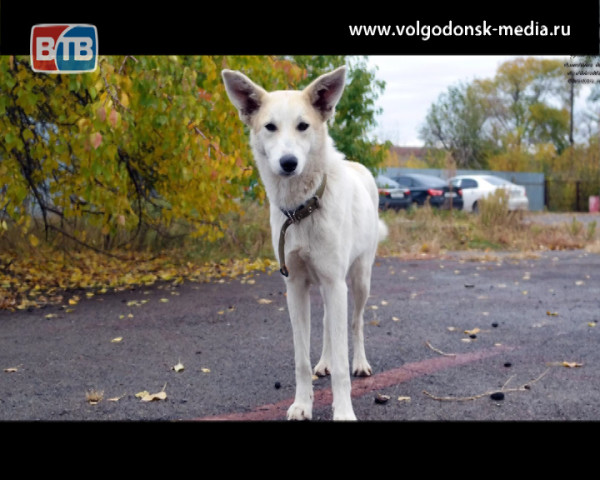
(383, 230)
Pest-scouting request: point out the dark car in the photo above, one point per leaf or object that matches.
(391, 194)
(427, 187)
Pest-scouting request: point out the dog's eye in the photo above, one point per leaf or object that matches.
(302, 126)
(270, 127)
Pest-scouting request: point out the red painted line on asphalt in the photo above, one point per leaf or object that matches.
(363, 386)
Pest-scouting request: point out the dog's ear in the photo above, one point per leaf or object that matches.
(243, 93)
(325, 92)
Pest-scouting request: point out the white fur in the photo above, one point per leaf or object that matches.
(337, 241)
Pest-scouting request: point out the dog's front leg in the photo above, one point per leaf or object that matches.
(335, 295)
(298, 300)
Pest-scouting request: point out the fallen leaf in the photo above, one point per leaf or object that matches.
(142, 394)
(151, 397)
(380, 398)
(395, 319)
(473, 332)
(11, 369)
(164, 300)
(116, 340)
(114, 399)
(51, 315)
(572, 364)
(264, 301)
(179, 367)
(404, 399)
(205, 370)
(93, 397)
(552, 314)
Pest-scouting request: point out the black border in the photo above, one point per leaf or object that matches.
(179, 28)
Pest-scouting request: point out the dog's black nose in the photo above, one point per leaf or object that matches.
(288, 163)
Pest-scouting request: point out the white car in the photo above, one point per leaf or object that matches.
(476, 187)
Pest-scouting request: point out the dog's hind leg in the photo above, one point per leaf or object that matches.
(298, 300)
(360, 278)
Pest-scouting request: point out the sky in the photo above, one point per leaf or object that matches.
(413, 83)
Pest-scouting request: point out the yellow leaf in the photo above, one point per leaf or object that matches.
(142, 394)
(205, 370)
(179, 367)
(114, 399)
(94, 397)
(164, 300)
(472, 332)
(33, 240)
(552, 314)
(51, 315)
(116, 340)
(572, 364)
(151, 397)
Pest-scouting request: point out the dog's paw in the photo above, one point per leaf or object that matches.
(321, 369)
(362, 369)
(344, 416)
(298, 411)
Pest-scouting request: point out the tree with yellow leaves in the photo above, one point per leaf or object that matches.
(142, 145)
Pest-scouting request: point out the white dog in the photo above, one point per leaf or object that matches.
(331, 207)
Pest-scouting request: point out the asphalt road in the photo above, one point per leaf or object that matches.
(531, 336)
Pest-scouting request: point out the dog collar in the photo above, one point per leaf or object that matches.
(295, 216)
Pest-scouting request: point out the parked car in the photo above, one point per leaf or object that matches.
(391, 194)
(440, 193)
(476, 187)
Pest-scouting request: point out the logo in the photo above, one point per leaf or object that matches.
(69, 48)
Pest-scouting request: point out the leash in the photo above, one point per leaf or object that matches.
(295, 216)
